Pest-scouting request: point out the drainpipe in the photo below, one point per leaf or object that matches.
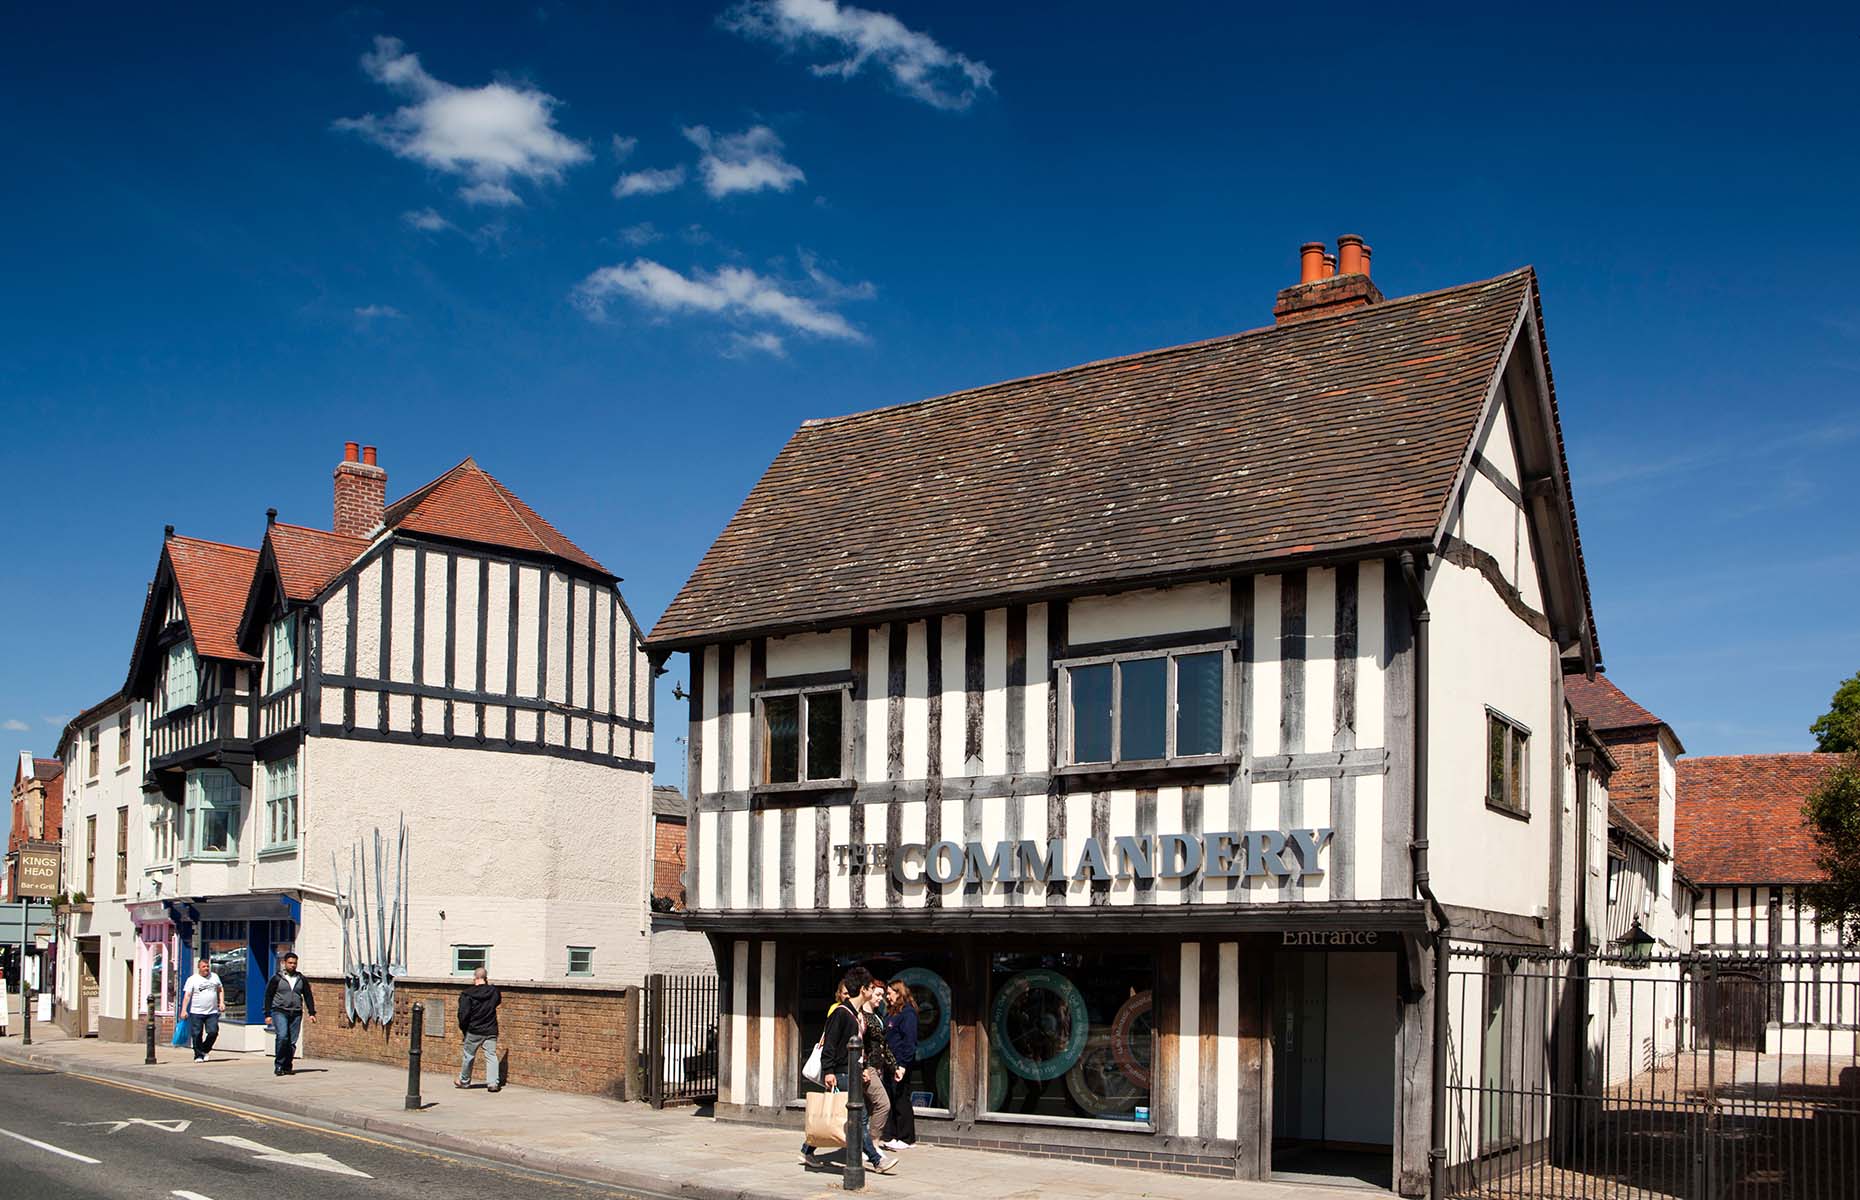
(1437, 1101)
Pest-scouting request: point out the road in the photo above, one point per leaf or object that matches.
(63, 1137)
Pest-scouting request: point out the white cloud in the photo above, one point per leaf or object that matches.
(643, 234)
(735, 292)
(743, 344)
(624, 147)
(426, 220)
(650, 182)
(491, 135)
(14, 725)
(831, 287)
(379, 312)
(742, 162)
(918, 63)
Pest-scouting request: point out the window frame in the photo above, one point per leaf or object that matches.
(125, 750)
(196, 799)
(169, 702)
(286, 625)
(122, 850)
(93, 741)
(1517, 765)
(271, 842)
(90, 857)
(1064, 751)
(587, 969)
(484, 957)
(161, 836)
(759, 730)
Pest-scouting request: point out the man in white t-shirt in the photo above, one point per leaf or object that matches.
(202, 1002)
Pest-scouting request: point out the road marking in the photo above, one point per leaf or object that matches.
(175, 1126)
(189, 1195)
(20, 1137)
(315, 1160)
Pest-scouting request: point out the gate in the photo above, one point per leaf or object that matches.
(1702, 1077)
(679, 1041)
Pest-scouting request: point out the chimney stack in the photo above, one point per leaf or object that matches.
(1327, 284)
(361, 492)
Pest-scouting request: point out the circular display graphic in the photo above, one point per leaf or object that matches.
(1040, 1024)
(1099, 1086)
(997, 1083)
(1131, 1042)
(931, 992)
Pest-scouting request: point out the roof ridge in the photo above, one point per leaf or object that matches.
(1160, 351)
(200, 541)
(505, 495)
(353, 537)
(1693, 758)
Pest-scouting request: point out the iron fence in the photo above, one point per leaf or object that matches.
(1705, 1077)
(679, 1041)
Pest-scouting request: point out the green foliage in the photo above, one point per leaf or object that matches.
(1833, 814)
(1837, 731)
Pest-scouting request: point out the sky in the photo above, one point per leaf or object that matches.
(619, 252)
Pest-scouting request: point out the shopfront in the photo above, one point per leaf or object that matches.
(242, 937)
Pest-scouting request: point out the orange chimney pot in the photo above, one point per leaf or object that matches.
(1350, 255)
(1310, 262)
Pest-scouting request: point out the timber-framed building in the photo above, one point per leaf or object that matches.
(1151, 718)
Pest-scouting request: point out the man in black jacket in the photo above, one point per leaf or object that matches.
(287, 999)
(478, 1022)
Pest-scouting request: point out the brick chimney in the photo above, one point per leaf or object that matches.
(361, 492)
(1320, 292)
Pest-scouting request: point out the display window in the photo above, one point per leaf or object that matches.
(927, 974)
(1071, 1035)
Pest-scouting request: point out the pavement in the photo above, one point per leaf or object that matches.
(674, 1152)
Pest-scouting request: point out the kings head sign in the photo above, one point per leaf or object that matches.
(1260, 853)
(38, 873)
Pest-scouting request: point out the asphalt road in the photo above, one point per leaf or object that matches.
(62, 1137)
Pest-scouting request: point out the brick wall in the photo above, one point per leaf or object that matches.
(562, 1037)
(1635, 785)
(668, 859)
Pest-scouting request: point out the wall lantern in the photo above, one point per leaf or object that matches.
(1636, 945)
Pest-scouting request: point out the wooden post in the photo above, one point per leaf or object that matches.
(629, 1044)
(655, 1040)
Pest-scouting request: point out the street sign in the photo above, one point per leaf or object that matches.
(38, 873)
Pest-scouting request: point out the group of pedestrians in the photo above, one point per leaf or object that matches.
(288, 1000)
(884, 1018)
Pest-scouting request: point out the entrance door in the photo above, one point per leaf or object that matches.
(1334, 1022)
(89, 968)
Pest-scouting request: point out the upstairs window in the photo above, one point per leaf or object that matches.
(281, 667)
(122, 743)
(180, 680)
(1153, 708)
(161, 832)
(1507, 765)
(94, 741)
(212, 814)
(803, 735)
(281, 803)
(122, 850)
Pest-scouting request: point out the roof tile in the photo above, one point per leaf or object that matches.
(308, 559)
(213, 578)
(467, 503)
(1739, 817)
(1604, 706)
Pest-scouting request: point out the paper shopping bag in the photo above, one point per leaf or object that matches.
(826, 1119)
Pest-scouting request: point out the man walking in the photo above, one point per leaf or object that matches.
(203, 999)
(478, 1022)
(287, 999)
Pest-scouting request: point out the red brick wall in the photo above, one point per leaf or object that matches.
(561, 1037)
(668, 859)
(1635, 785)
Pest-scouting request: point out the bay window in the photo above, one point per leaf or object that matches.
(1156, 707)
(180, 681)
(212, 814)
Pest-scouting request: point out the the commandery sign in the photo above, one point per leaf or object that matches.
(38, 873)
(1257, 853)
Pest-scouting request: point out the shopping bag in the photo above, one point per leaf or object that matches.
(826, 1119)
(182, 1034)
(810, 1071)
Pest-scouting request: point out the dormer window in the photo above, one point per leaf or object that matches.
(281, 665)
(180, 681)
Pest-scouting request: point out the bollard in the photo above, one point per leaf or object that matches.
(25, 1015)
(416, 1030)
(150, 1059)
(854, 1178)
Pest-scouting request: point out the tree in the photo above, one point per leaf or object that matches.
(1838, 730)
(1833, 814)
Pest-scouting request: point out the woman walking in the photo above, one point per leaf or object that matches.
(844, 1020)
(901, 1038)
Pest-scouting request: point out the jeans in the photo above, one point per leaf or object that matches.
(473, 1042)
(865, 1135)
(287, 1025)
(206, 1030)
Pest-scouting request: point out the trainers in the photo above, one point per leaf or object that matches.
(496, 1087)
(894, 1144)
(885, 1163)
(809, 1158)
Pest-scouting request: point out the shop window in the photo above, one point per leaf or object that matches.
(1070, 1035)
(927, 975)
(1507, 764)
(281, 803)
(1167, 706)
(180, 681)
(803, 735)
(466, 959)
(581, 960)
(227, 947)
(281, 663)
(212, 814)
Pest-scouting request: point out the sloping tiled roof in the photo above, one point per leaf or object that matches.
(213, 578)
(668, 801)
(1604, 706)
(1325, 436)
(1619, 818)
(468, 504)
(47, 768)
(309, 558)
(1739, 818)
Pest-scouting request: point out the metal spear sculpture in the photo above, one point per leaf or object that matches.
(379, 954)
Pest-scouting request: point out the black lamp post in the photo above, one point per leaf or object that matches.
(1636, 945)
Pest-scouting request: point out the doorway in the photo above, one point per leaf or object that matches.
(1334, 1021)
(89, 970)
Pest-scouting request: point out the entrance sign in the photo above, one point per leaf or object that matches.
(1259, 853)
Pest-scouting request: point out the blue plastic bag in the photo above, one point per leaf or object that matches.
(183, 1035)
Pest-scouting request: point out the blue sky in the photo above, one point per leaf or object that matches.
(617, 253)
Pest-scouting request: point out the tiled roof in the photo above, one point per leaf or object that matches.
(1739, 818)
(47, 768)
(309, 558)
(213, 578)
(1604, 706)
(1620, 819)
(1327, 436)
(466, 503)
(668, 801)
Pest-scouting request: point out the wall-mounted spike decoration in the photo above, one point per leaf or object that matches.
(374, 942)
